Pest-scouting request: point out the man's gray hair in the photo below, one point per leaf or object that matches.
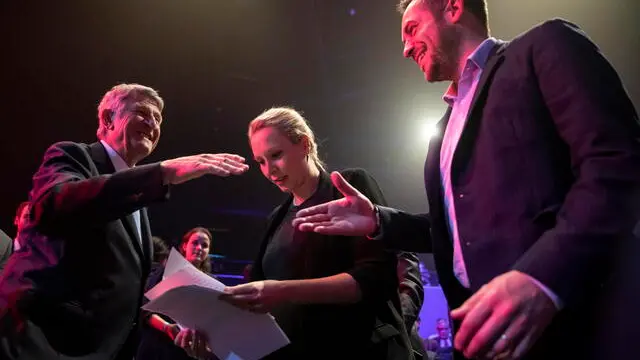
(118, 96)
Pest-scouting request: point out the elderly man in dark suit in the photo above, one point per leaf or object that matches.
(532, 186)
(75, 287)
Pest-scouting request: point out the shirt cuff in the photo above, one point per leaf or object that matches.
(554, 298)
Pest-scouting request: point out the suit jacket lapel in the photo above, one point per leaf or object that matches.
(105, 166)
(432, 181)
(472, 123)
(101, 159)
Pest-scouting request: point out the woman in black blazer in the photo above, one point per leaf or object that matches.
(335, 297)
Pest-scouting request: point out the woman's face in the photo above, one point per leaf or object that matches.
(196, 249)
(281, 161)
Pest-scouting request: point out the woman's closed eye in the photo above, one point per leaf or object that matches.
(276, 155)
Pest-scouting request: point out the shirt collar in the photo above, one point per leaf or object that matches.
(478, 58)
(117, 161)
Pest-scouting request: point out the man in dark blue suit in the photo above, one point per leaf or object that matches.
(532, 184)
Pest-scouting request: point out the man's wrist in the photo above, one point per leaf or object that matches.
(376, 230)
(165, 173)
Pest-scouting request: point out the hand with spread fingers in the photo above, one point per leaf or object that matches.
(179, 170)
(257, 296)
(504, 318)
(194, 343)
(352, 215)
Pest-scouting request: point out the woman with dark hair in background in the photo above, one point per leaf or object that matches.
(160, 252)
(160, 334)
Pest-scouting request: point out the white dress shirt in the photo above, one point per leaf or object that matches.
(119, 164)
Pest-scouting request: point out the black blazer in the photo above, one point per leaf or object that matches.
(376, 321)
(545, 180)
(75, 286)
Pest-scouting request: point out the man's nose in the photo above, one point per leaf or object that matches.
(408, 49)
(149, 122)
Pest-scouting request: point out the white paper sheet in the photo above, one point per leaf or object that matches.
(190, 298)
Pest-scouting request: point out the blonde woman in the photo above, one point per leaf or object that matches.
(334, 297)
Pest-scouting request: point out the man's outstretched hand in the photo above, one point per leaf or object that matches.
(353, 215)
(182, 169)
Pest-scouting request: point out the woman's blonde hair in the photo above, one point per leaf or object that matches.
(290, 123)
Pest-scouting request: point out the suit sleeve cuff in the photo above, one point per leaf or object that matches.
(553, 296)
(377, 234)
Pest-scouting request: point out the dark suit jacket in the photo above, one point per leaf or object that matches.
(372, 326)
(545, 178)
(74, 288)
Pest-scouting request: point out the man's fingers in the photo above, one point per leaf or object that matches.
(221, 156)
(511, 335)
(317, 219)
(216, 167)
(217, 170)
(222, 165)
(489, 334)
(461, 312)
(524, 344)
(313, 210)
(305, 227)
(328, 228)
(471, 324)
(232, 164)
(342, 185)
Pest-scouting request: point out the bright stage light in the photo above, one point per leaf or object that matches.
(429, 130)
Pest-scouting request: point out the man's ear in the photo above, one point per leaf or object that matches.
(106, 118)
(453, 10)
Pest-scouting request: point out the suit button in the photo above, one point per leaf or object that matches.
(461, 195)
(468, 243)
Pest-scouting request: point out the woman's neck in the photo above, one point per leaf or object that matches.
(308, 186)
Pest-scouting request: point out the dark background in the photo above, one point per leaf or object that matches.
(219, 63)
